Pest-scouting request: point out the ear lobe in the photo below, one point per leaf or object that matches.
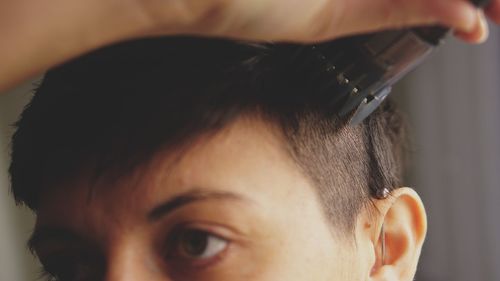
(404, 226)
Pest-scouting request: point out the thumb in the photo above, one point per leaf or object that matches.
(361, 16)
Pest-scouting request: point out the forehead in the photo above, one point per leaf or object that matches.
(248, 157)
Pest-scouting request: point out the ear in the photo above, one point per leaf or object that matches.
(402, 224)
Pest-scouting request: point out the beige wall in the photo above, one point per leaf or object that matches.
(453, 101)
(16, 263)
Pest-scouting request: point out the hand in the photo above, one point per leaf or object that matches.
(37, 35)
(312, 20)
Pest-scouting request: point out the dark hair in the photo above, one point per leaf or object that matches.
(117, 106)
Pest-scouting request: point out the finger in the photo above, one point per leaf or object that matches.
(479, 34)
(459, 15)
(493, 11)
(386, 14)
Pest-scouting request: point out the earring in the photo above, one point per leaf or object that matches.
(382, 237)
(382, 193)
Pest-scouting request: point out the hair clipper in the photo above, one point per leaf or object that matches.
(369, 65)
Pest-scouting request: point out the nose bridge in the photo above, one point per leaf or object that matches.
(131, 261)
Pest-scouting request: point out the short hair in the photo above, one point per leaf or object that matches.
(119, 105)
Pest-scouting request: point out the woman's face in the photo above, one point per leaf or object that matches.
(233, 206)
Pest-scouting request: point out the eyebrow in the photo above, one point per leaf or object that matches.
(190, 197)
(45, 234)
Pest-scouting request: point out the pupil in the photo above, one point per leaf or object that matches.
(195, 242)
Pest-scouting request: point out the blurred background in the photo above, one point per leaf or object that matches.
(453, 107)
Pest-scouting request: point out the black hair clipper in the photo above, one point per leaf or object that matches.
(368, 65)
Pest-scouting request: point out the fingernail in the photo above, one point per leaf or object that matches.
(485, 29)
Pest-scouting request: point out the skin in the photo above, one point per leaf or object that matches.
(37, 35)
(243, 190)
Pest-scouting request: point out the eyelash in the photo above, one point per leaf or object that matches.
(66, 267)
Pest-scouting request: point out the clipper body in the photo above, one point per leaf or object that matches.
(367, 66)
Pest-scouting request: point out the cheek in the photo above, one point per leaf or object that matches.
(298, 252)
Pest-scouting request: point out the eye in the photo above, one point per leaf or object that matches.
(197, 244)
(66, 272)
(70, 269)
